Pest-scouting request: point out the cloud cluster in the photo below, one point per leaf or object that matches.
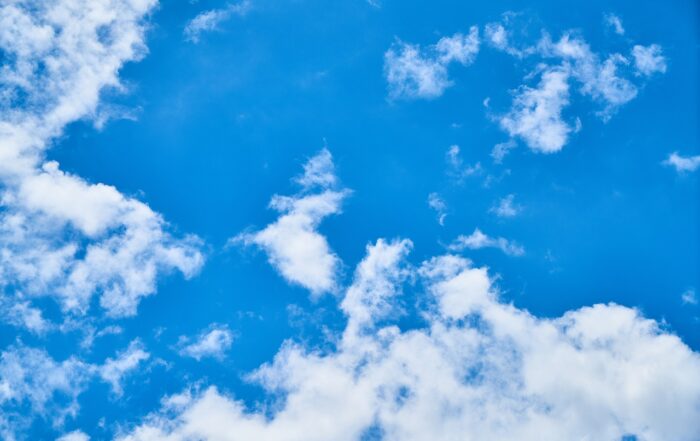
(536, 115)
(293, 245)
(478, 369)
(60, 235)
(412, 72)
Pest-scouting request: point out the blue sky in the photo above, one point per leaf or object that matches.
(463, 181)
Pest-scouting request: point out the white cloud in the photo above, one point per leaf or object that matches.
(615, 23)
(438, 204)
(649, 59)
(32, 383)
(60, 235)
(536, 114)
(294, 246)
(213, 342)
(501, 150)
(689, 297)
(22, 314)
(682, 164)
(599, 80)
(75, 435)
(506, 207)
(370, 298)
(208, 21)
(478, 240)
(115, 369)
(459, 47)
(478, 369)
(457, 170)
(414, 73)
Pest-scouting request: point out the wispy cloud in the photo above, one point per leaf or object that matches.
(415, 73)
(689, 297)
(506, 207)
(615, 23)
(478, 240)
(439, 206)
(115, 369)
(210, 20)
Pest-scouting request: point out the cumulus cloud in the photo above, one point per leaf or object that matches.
(208, 21)
(649, 59)
(115, 369)
(536, 114)
(682, 164)
(478, 369)
(439, 206)
(506, 207)
(213, 342)
(293, 245)
(415, 73)
(60, 235)
(478, 240)
(615, 23)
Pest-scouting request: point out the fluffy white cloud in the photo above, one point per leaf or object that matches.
(536, 114)
(439, 206)
(60, 235)
(213, 342)
(649, 59)
(506, 207)
(293, 245)
(478, 240)
(615, 23)
(478, 369)
(370, 298)
(682, 164)
(415, 73)
(210, 20)
(115, 369)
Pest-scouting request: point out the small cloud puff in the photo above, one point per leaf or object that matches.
(682, 164)
(213, 342)
(478, 240)
(293, 245)
(415, 73)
